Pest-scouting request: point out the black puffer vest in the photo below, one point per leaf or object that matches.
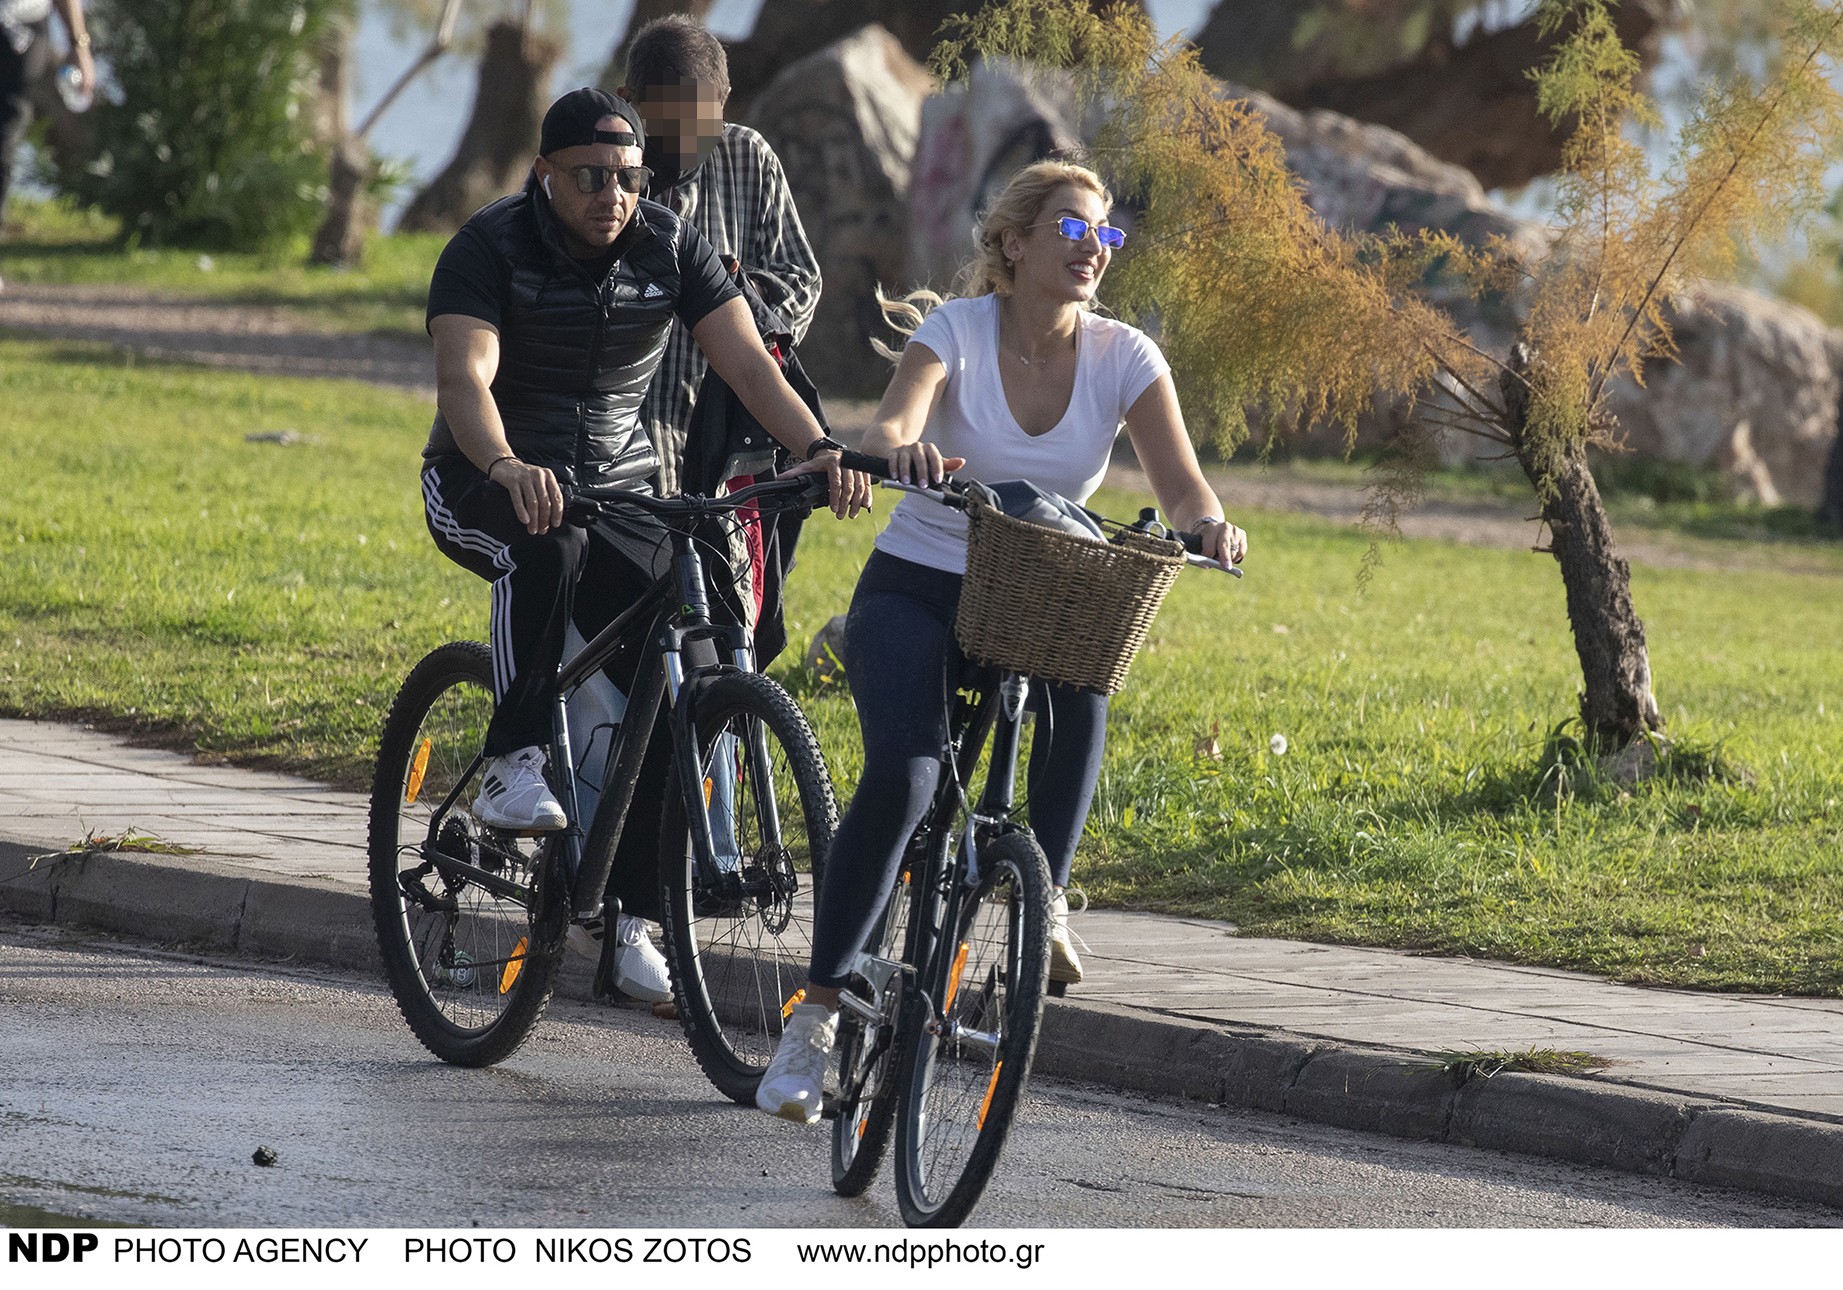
(576, 353)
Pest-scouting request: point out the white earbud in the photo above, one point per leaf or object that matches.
(547, 185)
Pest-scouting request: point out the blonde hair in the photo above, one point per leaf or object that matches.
(989, 273)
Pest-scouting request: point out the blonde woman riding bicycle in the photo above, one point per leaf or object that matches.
(1023, 380)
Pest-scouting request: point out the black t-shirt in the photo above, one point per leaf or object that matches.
(472, 277)
(578, 341)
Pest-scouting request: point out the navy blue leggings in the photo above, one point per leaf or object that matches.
(899, 645)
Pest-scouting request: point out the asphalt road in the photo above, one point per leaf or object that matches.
(135, 1084)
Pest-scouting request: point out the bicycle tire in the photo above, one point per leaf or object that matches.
(739, 964)
(473, 977)
(861, 1132)
(960, 1096)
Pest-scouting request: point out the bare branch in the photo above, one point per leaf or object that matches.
(438, 45)
(1638, 309)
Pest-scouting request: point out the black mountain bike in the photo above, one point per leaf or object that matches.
(939, 1026)
(471, 919)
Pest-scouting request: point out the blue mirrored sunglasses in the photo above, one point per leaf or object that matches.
(1076, 229)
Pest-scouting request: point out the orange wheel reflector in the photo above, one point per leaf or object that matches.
(514, 965)
(709, 787)
(953, 978)
(798, 996)
(989, 1090)
(862, 1125)
(418, 769)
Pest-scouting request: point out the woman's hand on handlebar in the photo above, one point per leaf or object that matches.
(921, 464)
(1223, 543)
(848, 490)
(536, 498)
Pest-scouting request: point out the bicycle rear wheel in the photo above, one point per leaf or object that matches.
(869, 1061)
(963, 1085)
(739, 925)
(472, 961)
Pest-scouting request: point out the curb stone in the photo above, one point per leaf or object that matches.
(1725, 1147)
(1584, 1121)
(1373, 1090)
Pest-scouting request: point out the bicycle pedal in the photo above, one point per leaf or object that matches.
(830, 1106)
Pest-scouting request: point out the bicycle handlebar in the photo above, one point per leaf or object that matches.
(585, 505)
(952, 493)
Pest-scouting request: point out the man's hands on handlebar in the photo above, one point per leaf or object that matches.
(848, 490)
(537, 500)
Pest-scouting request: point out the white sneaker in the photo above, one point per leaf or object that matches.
(639, 968)
(513, 794)
(1064, 962)
(794, 1086)
(585, 939)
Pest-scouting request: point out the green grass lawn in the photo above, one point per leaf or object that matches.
(50, 242)
(260, 602)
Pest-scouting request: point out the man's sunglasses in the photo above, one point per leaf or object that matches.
(592, 179)
(1076, 229)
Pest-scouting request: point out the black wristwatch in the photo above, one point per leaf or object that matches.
(826, 443)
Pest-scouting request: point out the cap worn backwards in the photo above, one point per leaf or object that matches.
(571, 122)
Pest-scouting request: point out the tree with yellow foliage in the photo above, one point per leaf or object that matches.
(1259, 304)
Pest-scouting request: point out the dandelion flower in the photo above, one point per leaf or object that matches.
(1277, 745)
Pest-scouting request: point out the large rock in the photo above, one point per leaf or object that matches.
(844, 122)
(975, 135)
(1403, 64)
(1754, 393)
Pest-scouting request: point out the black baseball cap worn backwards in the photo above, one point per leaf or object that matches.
(572, 119)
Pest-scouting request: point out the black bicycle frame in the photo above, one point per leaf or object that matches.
(661, 678)
(998, 715)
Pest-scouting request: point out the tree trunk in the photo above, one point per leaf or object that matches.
(1617, 705)
(1830, 511)
(501, 137)
(615, 74)
(340, 241)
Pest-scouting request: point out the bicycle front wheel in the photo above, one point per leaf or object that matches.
(739, 922)
(963, 1085)
(472, 961)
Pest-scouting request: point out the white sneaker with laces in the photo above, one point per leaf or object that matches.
(794, 1086)
(1064, 962)
(639, 968)
(513, 794)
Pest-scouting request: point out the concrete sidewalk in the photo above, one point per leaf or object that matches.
(1737, 1090)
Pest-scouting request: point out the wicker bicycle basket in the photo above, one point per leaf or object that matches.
(1059, 607)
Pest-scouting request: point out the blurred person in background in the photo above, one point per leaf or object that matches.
(724, 181)
(25, 56)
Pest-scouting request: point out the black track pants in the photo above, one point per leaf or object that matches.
(540, 583)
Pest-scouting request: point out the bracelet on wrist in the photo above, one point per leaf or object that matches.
(81, 40)
(495, 461)
(825, 443)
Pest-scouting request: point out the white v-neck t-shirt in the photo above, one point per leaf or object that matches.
(1114, 364)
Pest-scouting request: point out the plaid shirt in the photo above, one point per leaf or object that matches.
(739, 200)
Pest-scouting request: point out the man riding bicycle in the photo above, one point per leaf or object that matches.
(549, 310)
